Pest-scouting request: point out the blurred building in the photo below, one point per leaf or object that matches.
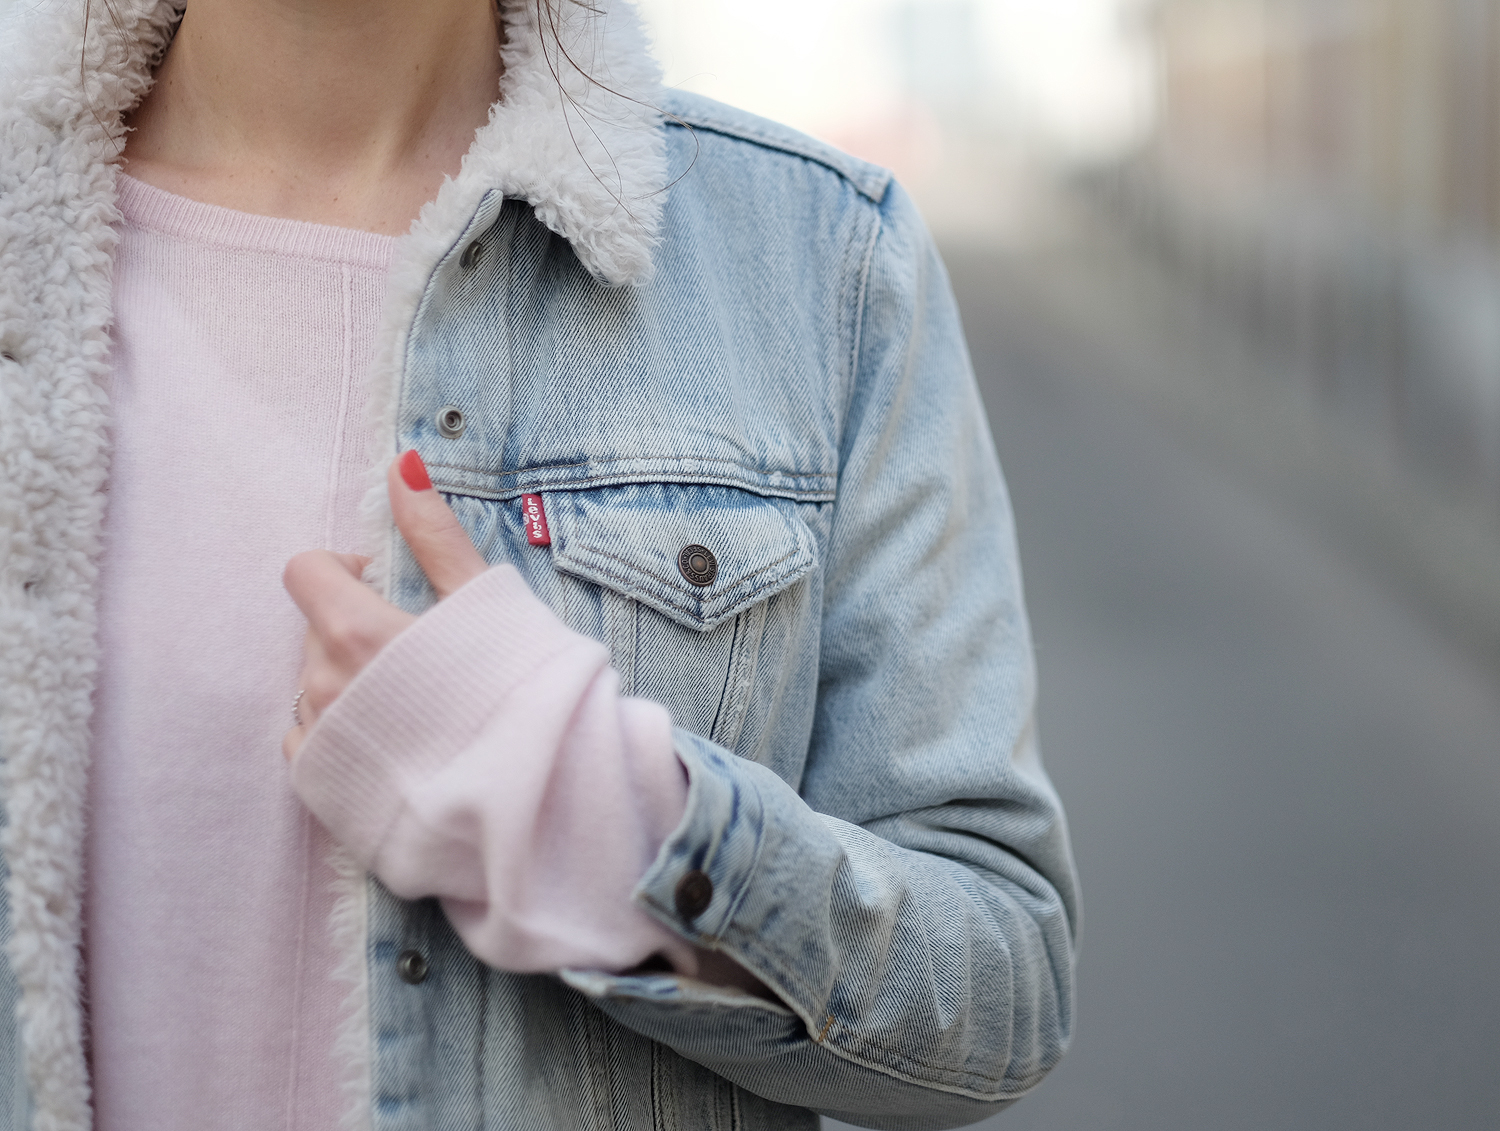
(1330, 171)
(958, 97)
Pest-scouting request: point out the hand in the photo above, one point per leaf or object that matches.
(348, 623)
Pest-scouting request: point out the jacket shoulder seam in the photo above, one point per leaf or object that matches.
(696, 112)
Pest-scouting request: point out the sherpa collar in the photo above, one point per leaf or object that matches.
(574, 132)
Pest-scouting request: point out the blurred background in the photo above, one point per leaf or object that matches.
(1230, 271)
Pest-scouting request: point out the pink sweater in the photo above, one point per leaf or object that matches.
(240, 439)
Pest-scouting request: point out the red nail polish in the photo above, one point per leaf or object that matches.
(414, 471)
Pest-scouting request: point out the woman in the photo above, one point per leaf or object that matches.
(714, 803)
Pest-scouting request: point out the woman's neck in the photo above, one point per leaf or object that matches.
(343, 112)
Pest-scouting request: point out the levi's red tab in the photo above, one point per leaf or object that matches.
(536, 520)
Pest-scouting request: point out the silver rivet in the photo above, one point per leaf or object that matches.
(450, 422)
(412, 967)
(472, 254)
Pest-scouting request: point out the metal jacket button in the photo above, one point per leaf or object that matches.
(698, 565)
(472, 255)
(450, 422)
(695, 891)
(412, 967)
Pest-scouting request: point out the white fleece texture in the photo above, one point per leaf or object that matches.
(56, 208)
(574, 134)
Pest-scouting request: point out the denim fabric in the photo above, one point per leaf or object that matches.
(854, 692)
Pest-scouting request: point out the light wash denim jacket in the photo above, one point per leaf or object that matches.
(763, 358)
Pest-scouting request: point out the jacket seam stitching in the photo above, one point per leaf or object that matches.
(880, 177)
(857, 329)
(819, 494)
(725, 689)
(637, 459)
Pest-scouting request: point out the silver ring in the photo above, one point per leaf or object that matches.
(297, 702)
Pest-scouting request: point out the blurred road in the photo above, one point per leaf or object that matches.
(1283, 775)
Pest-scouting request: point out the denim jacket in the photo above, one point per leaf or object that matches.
(681, 326)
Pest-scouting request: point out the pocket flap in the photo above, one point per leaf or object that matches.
(633, 540)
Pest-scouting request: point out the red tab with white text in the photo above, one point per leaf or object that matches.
(536, 520)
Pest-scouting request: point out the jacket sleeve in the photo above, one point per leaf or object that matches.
(913, 903)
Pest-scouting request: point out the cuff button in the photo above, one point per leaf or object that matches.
(695, 891)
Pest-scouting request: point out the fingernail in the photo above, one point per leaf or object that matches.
(414, 471)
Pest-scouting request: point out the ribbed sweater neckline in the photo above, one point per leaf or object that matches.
(153, 209)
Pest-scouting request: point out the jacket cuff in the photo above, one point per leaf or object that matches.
(719, 840)
(730, 875)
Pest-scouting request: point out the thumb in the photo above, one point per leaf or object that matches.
(440, 545)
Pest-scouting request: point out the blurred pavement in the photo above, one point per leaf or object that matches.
(1275, 724)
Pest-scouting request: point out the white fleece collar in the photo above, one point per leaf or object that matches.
(574, 133)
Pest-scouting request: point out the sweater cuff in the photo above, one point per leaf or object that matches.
(412, 708)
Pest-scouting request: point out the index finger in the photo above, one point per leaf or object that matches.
(327, 588)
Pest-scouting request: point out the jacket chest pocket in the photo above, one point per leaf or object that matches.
(685, 584)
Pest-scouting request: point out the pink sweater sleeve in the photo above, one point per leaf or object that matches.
(486, 757)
